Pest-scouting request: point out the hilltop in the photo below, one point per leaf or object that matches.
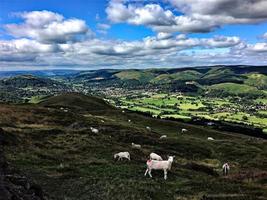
(56, 149)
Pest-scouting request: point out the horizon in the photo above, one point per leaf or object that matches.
(131, 34)
(121, 69)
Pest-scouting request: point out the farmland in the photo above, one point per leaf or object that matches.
(186, 107)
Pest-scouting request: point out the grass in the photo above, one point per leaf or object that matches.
(234, 89)
(70, 162)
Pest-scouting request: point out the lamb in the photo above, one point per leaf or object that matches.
(154, 156)
(122, 155)
(136, 146)
(148, 128)
(163, 136)
(210, 138)
(94, 130)
(159, 165)
(184, 130)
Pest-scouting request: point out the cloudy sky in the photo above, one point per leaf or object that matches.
(95, 34)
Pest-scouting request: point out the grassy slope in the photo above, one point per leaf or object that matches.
(57, 150)
(256, 80)
(234, 89)
(188, 75)
(135, 75)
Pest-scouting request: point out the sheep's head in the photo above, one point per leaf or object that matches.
(171, 158)
(115, 156)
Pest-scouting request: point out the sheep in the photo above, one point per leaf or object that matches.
(94, 130)
(159, 165)
(102, 121)
(129, 120)
(148, 128)
(123, 111)
(136, 146)
(210, 138)
(163, 136)
(122, 155)
(184, 130)
(154, 156)
(226, 169)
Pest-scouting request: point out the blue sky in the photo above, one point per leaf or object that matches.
(94, 34)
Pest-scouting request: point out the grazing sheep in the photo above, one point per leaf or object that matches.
(184, 130)
(129, 120)
(102, 121)
(154, 156)
(136, 146)
(148, 128)
(226, 169)
(123, 111)
(163, 136)
(122, 155)
(94, 130)
(210, 138)
(159, 165)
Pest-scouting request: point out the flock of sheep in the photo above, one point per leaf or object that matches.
(155, 161)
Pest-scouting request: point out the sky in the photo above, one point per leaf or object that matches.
(97, 34)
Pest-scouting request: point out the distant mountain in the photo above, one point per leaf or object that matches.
(40, 73)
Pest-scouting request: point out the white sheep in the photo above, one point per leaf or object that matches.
(136, 146)
(210, 138)
(163, 137)
(154, 156)
(184, 130)
(159, 165)
(148, 128)
(129, 120)
(122, 155)
(94, 130)
(123, 111)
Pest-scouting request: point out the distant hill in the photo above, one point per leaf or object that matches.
(76, 101)
(234, 89)
(24, 81)
(22, 87)
(191, 80)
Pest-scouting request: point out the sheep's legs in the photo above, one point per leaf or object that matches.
(165, 174)
(146, 172)
(149, 172)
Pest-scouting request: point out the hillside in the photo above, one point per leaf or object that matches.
(77, 102)
(22, 88)
(234, 89)
(55, 148)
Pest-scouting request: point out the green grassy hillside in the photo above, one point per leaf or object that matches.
(134, 75)
(234, 89)
(257, 80)
(57, 150)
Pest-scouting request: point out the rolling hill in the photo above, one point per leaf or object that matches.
(56, 150)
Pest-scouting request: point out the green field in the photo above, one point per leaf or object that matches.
(184, 107)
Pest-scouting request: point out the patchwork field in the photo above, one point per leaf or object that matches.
(185, 107)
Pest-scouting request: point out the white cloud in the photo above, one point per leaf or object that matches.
(48, 27)
(197, 15)
(48, 39)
